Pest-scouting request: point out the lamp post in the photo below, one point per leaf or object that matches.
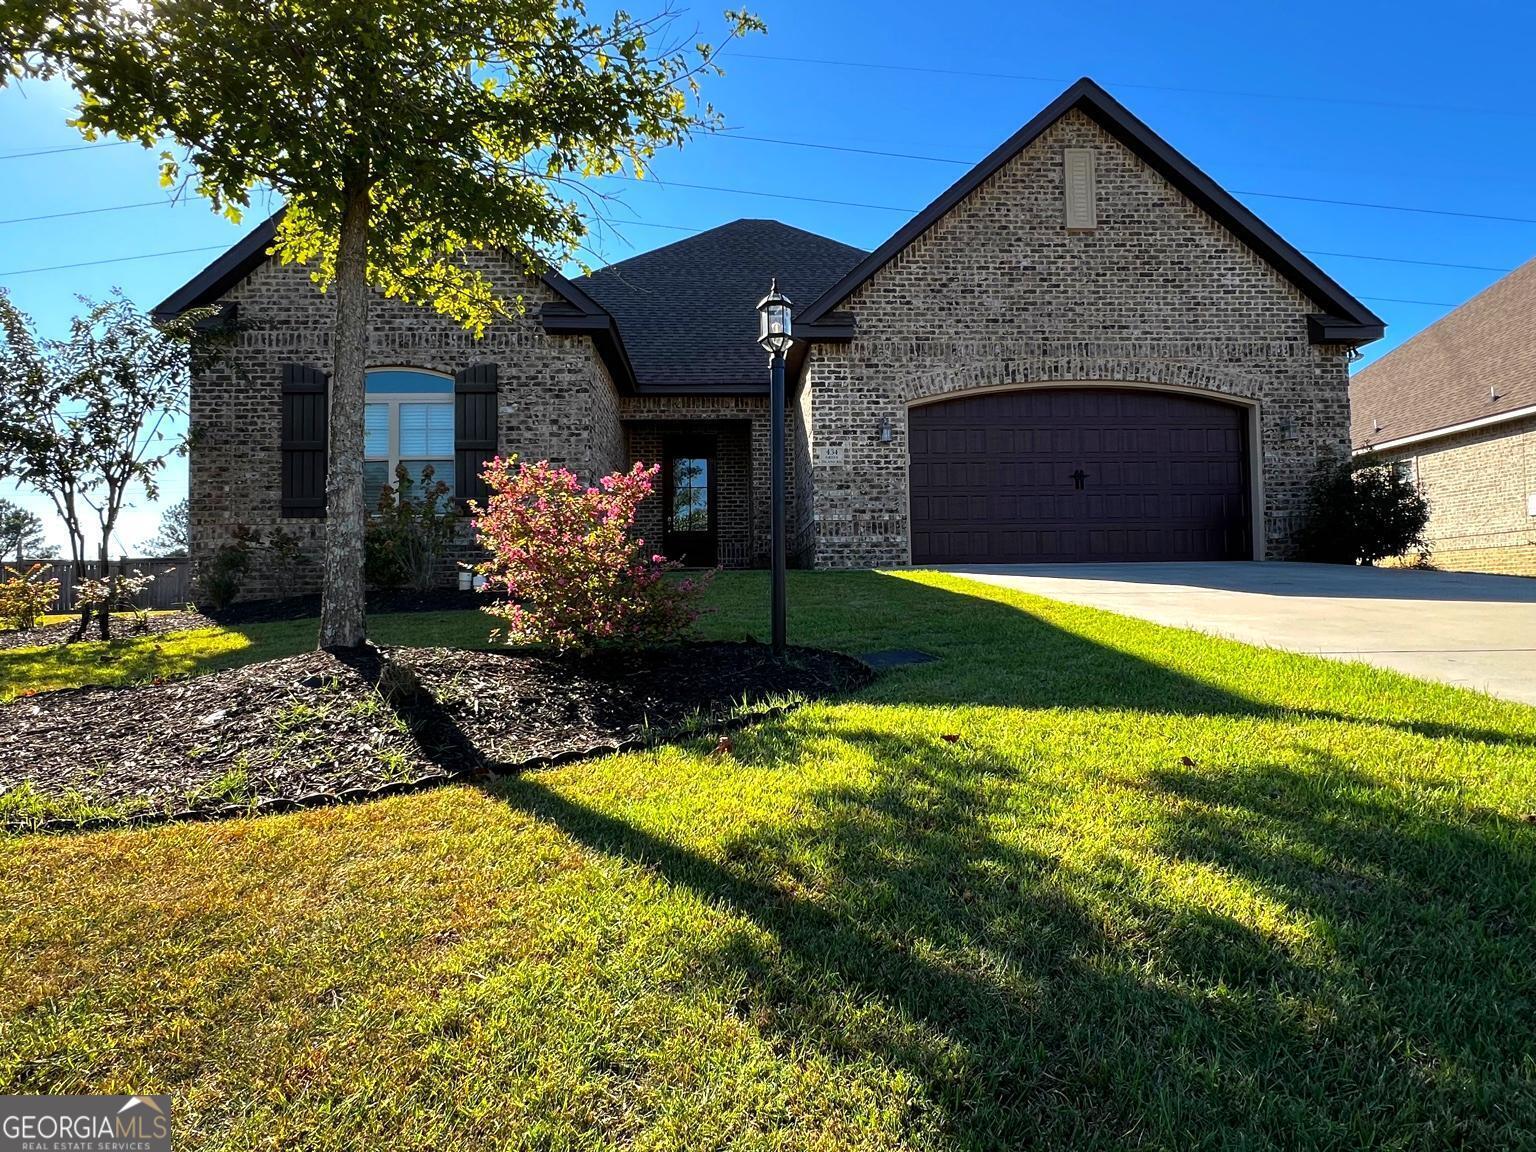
(774, 311)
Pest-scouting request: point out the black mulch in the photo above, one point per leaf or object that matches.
(322, 726)
(123, 627)
(379, 603)
(250, 612)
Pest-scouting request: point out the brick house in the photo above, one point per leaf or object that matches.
(1455, 407)
(1083, 350)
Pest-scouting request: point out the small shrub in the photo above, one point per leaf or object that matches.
(25, 596)
(1362, 510)
(118, 593)
(407, 535)
(564, 561)
(222, 575)
(286, 558)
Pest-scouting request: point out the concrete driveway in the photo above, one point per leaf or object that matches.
(1460, 628)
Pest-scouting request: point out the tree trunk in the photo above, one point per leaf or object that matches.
(104, 609)
(341, 599)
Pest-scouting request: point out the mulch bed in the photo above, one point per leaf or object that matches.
(250, 612)
(380, 602)
(325, 726)
(123, 628)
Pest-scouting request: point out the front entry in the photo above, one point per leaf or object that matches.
(1079, 474)
(690, 534)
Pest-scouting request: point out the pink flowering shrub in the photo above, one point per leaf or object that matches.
(565, 566)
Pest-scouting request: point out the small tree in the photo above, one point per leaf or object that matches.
(564, 561)
(87, 418)
(21, 534)
(1361, 510)
(404, 138)
(410, 531)
(173, 537)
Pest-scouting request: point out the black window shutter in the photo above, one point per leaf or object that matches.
(304, 440)
(474, 429)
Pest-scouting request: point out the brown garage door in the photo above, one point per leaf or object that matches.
(1079, 474)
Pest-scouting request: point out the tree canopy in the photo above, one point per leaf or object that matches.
(403, 137)
(470, 124)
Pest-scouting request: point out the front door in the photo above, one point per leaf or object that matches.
(690, 532)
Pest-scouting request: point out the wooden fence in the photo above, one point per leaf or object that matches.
(172, 587)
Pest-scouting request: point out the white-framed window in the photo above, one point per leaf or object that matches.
(407, 419)
(1407, 468)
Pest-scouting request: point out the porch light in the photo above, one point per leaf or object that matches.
(774, 312)
(885, 430)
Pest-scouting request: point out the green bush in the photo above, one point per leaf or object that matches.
(221, 576)
(1362, 510)
(25, 596)
(407, 535)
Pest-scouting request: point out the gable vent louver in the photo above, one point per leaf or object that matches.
(1082, 209)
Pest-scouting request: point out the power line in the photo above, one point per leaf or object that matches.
(1399, 300)
(1233, 191)
(728, 135)
(1184, 90)
(68, 148)
(1402, 260)
(87, 211)
(674, 227)
(114, 260)
(758, 192)
(1389, 207)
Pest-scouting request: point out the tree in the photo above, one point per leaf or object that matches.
(85, 419)
(404, 137)
(1362, 510)
(21, 534)
(173, 537)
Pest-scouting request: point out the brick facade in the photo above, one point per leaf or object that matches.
(1479, 485)
(998, 293)
(556, 400)
(994, 294)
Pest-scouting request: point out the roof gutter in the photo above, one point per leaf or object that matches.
(1450, 430)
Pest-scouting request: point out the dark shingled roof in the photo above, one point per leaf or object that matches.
(1443, 376)
(687, 312)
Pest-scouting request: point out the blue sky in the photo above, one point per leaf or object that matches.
(1405, 104)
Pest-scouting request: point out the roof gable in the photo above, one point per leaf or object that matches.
(1474, 364)
(575, 312)
(687, 312)
(1344, 319)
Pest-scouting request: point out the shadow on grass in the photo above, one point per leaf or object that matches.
(937, 917)
(1037, 1002)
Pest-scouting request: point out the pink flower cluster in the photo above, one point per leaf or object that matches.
(564, 564)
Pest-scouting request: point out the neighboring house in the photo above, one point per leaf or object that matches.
(1083, 350)
(1455, 408)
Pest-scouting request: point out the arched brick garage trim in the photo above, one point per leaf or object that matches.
(1084, 470)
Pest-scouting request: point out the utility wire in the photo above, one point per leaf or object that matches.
(115, 260)
(68, 148)
(1222, 92)
(87, 211)
(972, 163)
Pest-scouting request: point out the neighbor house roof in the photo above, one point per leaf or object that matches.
(688, 312)
(1343, 318)
(1475, 364)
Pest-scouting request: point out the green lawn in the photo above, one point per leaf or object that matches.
(1161, 891)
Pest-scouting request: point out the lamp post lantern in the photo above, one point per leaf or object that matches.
(775, 337)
